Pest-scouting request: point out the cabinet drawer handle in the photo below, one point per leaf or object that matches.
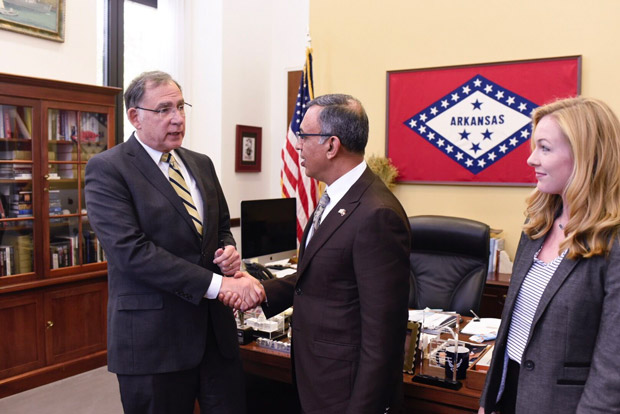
(49, 324)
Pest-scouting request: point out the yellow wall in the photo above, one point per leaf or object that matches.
(356, 41)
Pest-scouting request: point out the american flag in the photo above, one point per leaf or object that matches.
(293, 178)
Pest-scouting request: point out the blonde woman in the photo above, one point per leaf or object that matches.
(558, 348)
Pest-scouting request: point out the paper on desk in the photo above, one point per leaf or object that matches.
(283, 272)
(484, 326)
(283, 262)
(432, 320)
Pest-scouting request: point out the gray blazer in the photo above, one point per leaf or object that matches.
(571, 363)
(158, 268)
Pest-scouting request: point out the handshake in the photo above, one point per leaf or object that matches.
(241, 292)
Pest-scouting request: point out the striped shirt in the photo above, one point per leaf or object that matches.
(526, 304)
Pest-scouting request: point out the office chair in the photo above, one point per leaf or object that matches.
(449, 263)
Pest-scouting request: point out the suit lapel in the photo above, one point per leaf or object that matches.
(302, 247)
(336, 217)
(522, 267)
(561, 274)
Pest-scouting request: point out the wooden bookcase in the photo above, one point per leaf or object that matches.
(53, 274)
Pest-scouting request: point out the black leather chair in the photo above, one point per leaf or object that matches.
(449, 263)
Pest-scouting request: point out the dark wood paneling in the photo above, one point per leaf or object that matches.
(21, 334)
(75, 322)
(294, 77)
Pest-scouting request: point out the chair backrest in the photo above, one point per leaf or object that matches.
(449, 263)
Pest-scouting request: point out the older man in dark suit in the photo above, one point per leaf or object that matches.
(351, 288)
(161, 216)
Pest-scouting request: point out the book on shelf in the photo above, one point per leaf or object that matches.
(19, 252)
(62, 125)
(61, 254)
(23, 196)
(52, 125)
(2, 122)
(16, 171)
(93, 251)
(6, 149)
(7, 260)
(24, 253)
(21, 204)
(23, 129)
(22, 155)
(496, 244)
(28, 117)
(55, 207)
(8, 132)
(66, 250)
(7, 154)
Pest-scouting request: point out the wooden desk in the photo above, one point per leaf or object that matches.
(418, 398)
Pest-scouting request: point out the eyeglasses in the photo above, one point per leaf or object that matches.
(168, 111)
(302, 136)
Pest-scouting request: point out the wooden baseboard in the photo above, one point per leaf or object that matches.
(45, 375)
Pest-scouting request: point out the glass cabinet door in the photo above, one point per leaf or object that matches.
(16, 197)
(93, 140)
(73, 138)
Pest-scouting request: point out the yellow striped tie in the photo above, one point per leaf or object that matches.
(180, 186)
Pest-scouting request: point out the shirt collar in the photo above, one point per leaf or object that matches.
(339, 188)
(153, 153)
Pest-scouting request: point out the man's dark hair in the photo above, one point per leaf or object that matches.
(137, 87)
(345, 117)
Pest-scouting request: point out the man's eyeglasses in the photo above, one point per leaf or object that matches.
(301, 136)
(168, 111)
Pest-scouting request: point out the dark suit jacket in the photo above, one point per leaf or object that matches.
(158, 269)
(572, 358)
(350, 304)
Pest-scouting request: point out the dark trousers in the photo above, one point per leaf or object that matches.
(508, 401)
(217, 383)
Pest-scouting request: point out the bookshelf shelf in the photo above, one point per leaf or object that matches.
(52, 267)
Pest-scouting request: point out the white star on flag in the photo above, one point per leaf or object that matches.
(477, 129)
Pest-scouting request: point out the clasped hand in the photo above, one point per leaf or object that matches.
(242, 292)
(228, 259)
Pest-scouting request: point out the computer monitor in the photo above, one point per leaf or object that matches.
(269, 229)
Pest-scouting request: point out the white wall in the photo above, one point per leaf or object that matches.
(242, 51)
(75, 60)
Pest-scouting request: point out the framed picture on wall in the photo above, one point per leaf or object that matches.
(248, 149)
(40, 18)
(471, 124)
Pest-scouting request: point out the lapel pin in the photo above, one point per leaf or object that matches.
(342, 212)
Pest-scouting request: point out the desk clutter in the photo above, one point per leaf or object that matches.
(252, 325)
(273, 344)
(435, 336)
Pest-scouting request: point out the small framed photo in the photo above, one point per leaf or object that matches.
(248, 149)
(40, 18)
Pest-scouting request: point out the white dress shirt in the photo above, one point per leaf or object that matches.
(338, 189)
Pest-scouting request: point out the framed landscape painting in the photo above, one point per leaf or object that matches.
(40, 18)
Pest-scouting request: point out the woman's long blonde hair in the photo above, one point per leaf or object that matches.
(593, 189)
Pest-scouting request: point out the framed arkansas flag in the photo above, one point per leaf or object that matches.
(471, 124)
